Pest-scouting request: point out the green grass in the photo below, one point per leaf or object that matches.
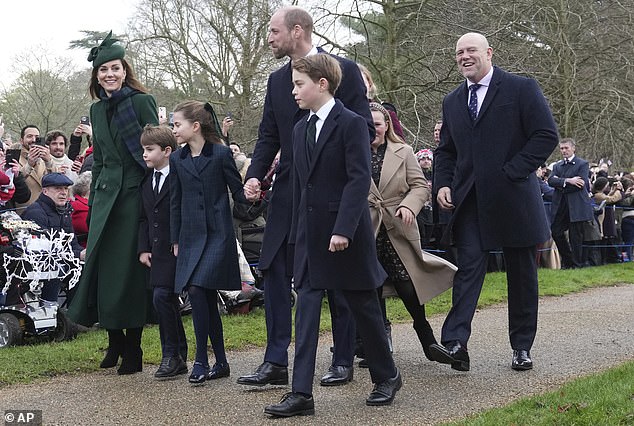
(25, 364)
(601, 399)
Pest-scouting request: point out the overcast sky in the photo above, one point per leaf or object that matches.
(27, 25)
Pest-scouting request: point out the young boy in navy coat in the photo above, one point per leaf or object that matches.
(155, 249)
(332, 233)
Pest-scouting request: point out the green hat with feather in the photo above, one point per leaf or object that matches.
(106, 51)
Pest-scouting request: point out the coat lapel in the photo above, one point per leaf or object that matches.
(391, 163)
(164, 190)
(301, 154)
(188, 162)
(491, 92)
(326, 130)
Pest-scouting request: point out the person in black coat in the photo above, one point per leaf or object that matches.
(155, 248)
(51, 210)
(290, 35)
(497, 129)
(571, 206)
(332, 233)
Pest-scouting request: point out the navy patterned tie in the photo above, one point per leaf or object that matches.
(473, 101)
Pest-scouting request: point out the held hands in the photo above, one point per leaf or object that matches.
(252, 190)
(338, 243)
(146, 259)
(444, 198)
(406, 215)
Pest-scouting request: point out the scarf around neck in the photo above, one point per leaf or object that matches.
(124, 117)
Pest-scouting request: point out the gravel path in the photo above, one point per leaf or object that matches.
(578, 334)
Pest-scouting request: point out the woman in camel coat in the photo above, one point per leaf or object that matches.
(397, 194)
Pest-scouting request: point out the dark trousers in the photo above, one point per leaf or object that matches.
(343, 329)
(50, 290)
(277, 310)
(571, 248)
(364, 306)
(171, 331)
(521, 274)
(627, 232)
(207, 324)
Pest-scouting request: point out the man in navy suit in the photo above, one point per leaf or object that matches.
(571, 204)
(290, 32)
(155, 249)
(497, 130)
(332, 233)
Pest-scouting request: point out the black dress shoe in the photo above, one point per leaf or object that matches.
(522, 360)
(292, 404)
(170, 367)
(218, 371)
(337, 375)
(454, 353)
(199, 374)
(384, 392)
(266, 374)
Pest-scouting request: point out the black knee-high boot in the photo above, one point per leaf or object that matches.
(132, 360)
(407, 293)
(116, 342)
(425, 333)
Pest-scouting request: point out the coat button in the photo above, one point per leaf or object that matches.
(155, 225)
(155, 240)
(155, 210)
(104, 186)
(310, 209)
(310, 186)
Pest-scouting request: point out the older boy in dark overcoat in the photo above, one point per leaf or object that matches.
(332, 233)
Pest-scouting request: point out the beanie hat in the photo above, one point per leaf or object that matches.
(425, 153)
(106, 51)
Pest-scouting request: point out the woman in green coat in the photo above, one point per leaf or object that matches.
(112, 290)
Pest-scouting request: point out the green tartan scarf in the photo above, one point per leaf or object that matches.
(124, 117)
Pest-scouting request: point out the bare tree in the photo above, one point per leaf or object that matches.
(580, 52)
(47, 93)
(207, 49)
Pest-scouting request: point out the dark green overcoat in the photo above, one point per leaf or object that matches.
(112, 289)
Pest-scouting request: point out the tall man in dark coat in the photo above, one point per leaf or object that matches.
(571, 204)
(290, 35)
(497, 130)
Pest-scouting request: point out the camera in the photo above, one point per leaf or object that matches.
(40, 140)
(84, 120)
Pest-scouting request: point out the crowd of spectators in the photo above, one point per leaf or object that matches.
(608, 239)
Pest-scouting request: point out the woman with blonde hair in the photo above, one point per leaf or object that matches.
(397, 193)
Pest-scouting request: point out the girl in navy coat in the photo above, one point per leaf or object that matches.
(201, 227)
